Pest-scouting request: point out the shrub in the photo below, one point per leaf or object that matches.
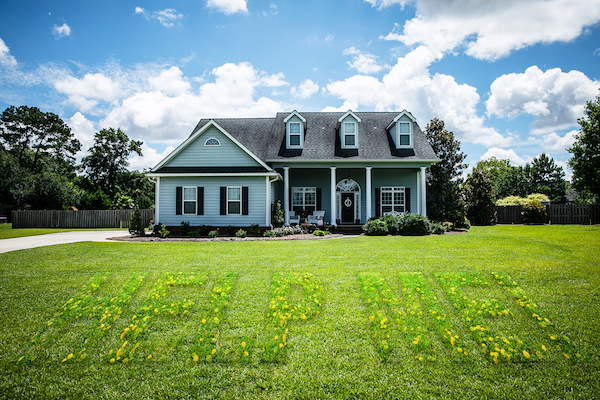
(135, 223)
(435, 228)
(213, 234)
(163, 231)
(520, 201)
(254, 230)
(319, 232)
(376, 227)
(204, 230)
(231, 230)
(185, 228)
(394, 222)
(534, 213)
(241, 233)
(278, 215)
(330, 228)
(284, 231)
(413, 225)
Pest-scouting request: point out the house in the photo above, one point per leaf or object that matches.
(352, 166)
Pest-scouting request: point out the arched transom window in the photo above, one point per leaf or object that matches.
(212, 142)
(347, 185)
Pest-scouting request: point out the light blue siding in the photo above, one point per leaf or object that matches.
(256, 204)
(295, 119)
(394, 129)
(396, 177)
(228, 154)
(349, 118)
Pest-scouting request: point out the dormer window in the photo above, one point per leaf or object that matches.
(294, 131)
(404, 134)
(295, 136)
(350, 134)
(348, 130)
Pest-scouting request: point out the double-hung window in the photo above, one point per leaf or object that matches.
(349, 134)
(404, 134)
(295, 135)
(234, 200)
(190, 200)
(304, 198)
(392, 199)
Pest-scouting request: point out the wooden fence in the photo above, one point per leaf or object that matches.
(77, 219)
(557, 214)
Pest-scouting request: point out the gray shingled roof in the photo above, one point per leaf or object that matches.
(264, 137)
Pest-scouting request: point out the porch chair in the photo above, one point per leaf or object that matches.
(316, 218)
(294, 219)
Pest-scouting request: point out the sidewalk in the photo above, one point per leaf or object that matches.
(29, 242)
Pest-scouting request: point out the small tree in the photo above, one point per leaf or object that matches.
(586, 152)
(135, 223)
(479, 193)
(444, 195)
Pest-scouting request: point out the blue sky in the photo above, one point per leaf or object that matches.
(509, 78)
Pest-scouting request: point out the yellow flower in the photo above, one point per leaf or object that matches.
(526, 354)
(246, 353)
(213, 351)
(243, 344)
(195, 358)
(112, 361)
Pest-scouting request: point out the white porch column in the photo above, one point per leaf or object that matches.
(333, 205)
(157, 200)
(419, 211)
(368, 192)
(268, 202)
(286, 195)
(423, 193)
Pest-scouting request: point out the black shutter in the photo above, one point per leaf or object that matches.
(223, 200)
(319, 199)
(245, 200)
(178, 200)
(200, 201)
(377, 202)
(291, 202)
(407, 199)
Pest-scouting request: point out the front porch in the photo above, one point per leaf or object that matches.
(351, 195)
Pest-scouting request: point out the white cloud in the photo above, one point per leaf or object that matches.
(503, 154)
(84, 93)
(228, 7)
(344, 107)
(166, 17)
(151, 157)
(554, 98)
(554, 142)
(5, 58)
(409, 85)
(492, 29)
(306, 89)
(156, 117)
(170, 82)
(364, 63)
(386, 3)
(84, 131)
(329, 37)
(61, 31)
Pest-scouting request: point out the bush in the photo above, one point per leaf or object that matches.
(435, 228)
(163, 231)
(284, 231)
(185, 228)
(520, 201)
(135, 223)
(413, 225)
(241, 233)
(254, 230)
(231, 230)
(534, 213)
(319, 232)
(375, 227)
(330, 228)
(204, 230)
(213, 234)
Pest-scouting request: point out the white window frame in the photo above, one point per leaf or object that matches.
(355, 134)
(211, 145)
(304, 191)
(195, 201)
(393, 205)
(289, 135)
(410, 135)
(234, 201)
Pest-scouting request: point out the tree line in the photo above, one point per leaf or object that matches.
(38, 170)
(450, 198)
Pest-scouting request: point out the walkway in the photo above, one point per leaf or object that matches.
(29, 242)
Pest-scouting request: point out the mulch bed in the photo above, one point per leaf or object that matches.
(222, 239)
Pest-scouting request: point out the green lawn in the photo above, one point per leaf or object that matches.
(6, 231)
(328, 338)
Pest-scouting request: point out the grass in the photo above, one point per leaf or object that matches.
(332, 353)
(6, 231)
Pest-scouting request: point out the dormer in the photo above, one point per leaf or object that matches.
(295, 126)
(401, 130)
(348, 129)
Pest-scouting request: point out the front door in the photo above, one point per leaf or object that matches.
(347, 207)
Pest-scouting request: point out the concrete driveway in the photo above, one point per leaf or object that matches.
(29, 242)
